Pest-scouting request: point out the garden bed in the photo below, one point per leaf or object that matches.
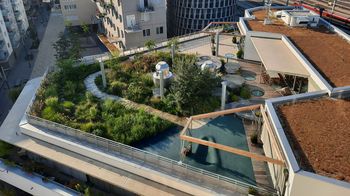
(62, 98)
(190, 91)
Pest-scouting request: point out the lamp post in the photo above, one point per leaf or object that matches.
(223, 94)
(217, 37)
(161, 84)
(333, 7)
(173, 53)
(103, 73)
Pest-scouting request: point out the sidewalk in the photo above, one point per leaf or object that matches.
(46, 56)
(22, 70)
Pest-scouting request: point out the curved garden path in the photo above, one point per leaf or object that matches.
(92, 87)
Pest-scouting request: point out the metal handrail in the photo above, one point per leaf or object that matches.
(163, 44)
(130, 151)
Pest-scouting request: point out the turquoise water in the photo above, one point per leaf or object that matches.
(227, 130)
(257, 93)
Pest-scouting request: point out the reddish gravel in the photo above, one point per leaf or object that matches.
(328, 52)
(319, 133)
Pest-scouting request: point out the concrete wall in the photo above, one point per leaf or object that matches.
(312, 86)
(276, 171)
(316, 185)
(85, 12)
(32, 183)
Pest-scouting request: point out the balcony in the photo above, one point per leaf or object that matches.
(134, 28)
(3, 56)
(143, 9)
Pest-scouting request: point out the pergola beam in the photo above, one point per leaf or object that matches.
(231, 150)
(224, 112)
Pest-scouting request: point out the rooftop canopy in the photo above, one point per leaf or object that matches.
(277, 58)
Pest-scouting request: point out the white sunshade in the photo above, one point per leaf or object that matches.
(277, 58)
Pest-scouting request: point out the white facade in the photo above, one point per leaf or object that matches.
(129, 24)
(13, 25)
(78, 12)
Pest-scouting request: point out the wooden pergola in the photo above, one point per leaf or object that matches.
(205, 30)
(185, 137)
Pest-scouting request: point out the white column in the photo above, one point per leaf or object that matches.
(217, 43)
(103, 73)
(333, 7)
(173, 53)
(223, 94)
(161, 84)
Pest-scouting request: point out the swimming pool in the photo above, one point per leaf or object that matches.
(227, 130)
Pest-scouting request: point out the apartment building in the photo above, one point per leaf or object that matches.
(79, 12)
(129, 24)
(13, 25)
(193, 15)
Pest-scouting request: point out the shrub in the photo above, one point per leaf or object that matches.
(240, 54)
(5, 149)
(252, 191)
(68, 107)
(234, 40)
(117, 87)
(53, 103)
(138, 92)
(245, 93)
(234, 98)
(147, 80)
(254, 138)
(14, 93)
(51, 114)
(51, 91)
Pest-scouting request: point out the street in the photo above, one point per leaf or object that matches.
(22, 70)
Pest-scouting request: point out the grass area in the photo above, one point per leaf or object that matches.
(190, 92)
(63, 99)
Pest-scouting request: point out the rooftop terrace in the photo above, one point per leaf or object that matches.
(328, 52)
(319, 133)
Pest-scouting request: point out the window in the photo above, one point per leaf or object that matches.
(70, 7)
(146, 32)
(160, 30)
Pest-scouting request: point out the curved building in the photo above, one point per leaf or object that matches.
(186, 16)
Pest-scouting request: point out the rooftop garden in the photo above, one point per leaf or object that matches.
(189, 92)
(63, 98)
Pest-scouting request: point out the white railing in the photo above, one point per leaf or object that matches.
(88, 60)
(156, 162)
(181, 39)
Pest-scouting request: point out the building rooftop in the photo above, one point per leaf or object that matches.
(318, 131)
(326, 51)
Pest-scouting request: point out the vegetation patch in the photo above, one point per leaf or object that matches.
(190, 91)
(63, 99)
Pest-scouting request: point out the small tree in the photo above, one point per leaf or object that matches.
(86, 31)
(175, 42)
(192, 87)
(150, 44)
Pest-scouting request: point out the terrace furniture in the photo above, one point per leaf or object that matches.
(232, 68)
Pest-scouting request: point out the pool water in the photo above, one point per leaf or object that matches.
(247, 75)
(257, 93)
(227, 130)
